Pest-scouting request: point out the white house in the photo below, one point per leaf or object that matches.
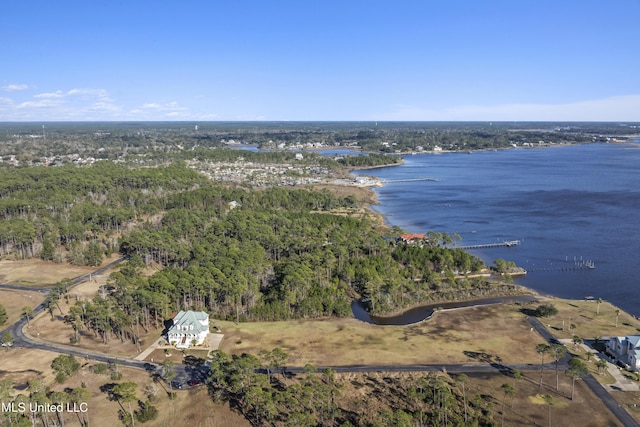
(626, 350)
(189, 327)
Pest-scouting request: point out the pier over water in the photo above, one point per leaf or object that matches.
(506, 243)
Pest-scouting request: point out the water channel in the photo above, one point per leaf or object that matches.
(424, 312)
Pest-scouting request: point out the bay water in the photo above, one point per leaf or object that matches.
(572, 208)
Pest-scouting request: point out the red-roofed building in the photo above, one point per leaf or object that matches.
(411, 237)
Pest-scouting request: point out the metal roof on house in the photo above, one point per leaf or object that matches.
(633, 339)
(185, 319)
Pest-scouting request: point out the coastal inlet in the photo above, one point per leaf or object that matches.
(424, 312)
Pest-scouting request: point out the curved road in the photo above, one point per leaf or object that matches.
(77, 280)
(187, 373)
(618, 411)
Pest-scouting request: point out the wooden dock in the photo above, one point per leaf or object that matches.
(506, 243)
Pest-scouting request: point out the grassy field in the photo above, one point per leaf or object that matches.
(587, 322)
(496, 333)
(35, 272)
(57, 332)
(14, 300)
(467, 335)
(528, 408)
(187, 408)
(194, 406)
(21, 365)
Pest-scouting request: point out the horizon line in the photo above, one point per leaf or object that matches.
(622, 122)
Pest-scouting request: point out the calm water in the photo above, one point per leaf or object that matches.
(563, 203)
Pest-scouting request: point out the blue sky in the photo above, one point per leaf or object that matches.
(320, 60)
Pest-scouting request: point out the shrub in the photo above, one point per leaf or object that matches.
(100, 368)
(65, 366)
(546, 310)
(147, 412)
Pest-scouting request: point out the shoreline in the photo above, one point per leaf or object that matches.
(388, 220)
(362, 168)
(388, 224)
(520, 291)
(410, 316)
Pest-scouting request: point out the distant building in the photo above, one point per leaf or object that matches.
(411, 238)
(189, 328)
(625, 350)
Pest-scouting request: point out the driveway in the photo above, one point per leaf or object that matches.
(214, 340)
(622, 383)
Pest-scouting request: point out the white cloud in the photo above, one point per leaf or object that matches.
(74, 104)
(45, 103)
(617, 108)
(105, 107)
(151, 106)
(14, 87)
(101, 93)
(56, 94)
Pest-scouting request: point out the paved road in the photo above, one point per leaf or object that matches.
(184, 374)
(187, 373)
(618, 411)
(101, 270)
(45, 289)
(42, 290)
(481, 367)
(544, 332)
(16, 328)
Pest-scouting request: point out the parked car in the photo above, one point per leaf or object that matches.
(193, 383)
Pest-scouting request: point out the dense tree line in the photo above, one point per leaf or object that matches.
(265, 395)
(282, 254)
(133, 142)
(369, 160)
(265, 255)
(240, 254)
(76, 213)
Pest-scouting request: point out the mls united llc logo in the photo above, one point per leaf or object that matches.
(22, 407)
